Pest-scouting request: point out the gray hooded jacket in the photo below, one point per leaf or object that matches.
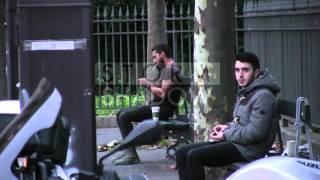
(255, 116)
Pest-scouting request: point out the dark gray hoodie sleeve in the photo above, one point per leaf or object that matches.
(255, 119)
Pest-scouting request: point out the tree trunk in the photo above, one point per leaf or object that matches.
(3, 79)
(156, 25)
(213, 66)
(156, 32)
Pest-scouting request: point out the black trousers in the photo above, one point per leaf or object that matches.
(126, 116)
(192, 158)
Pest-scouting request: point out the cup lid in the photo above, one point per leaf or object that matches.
(155, 107)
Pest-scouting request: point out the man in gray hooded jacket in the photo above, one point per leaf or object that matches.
(252, 132)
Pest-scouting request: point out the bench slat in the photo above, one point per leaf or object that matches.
(287, 108)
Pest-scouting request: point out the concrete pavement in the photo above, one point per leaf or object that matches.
(153, 162)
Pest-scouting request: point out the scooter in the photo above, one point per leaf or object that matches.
(23, 159)
(278, 167)
(39, 113)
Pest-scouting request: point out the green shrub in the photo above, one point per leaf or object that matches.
(109, 104)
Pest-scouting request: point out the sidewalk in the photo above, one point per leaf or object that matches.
(153, 162)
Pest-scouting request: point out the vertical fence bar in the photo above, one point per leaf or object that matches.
(174, 37)
(106, 64)
(143, 37)
(98, 64)
(114, 44)
(136, 49)
(181, 38)
(113, 56)
(120, 54)
(190, 40)
(129, 56)
(167, 22)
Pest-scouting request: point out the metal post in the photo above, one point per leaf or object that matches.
(11, 49)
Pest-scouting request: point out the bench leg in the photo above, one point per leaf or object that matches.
(183, 137)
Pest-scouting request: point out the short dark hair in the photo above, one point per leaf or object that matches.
(250, 58)
(163, 48)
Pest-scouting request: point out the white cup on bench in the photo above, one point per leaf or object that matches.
(291, 146)
(155, 112)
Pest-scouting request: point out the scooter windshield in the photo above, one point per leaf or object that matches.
(39, 96)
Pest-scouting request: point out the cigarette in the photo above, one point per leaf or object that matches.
(154, 67)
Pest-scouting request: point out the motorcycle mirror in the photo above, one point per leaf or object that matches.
(146, 132)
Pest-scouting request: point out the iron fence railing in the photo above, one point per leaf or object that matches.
(120, 37)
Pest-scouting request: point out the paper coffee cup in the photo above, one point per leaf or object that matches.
(155, 112)
(291, 147)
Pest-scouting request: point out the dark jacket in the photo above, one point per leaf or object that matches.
(255, 116)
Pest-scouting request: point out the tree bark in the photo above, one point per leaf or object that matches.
(156, 25)
(3, 79)
(156, 33)
(214, 89)
(213, 63)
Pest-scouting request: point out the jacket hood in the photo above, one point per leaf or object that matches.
(264, 80)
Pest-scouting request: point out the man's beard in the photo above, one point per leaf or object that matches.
(161, 64)
(250, 81)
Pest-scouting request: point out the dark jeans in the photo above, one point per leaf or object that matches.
(192, 158)
(138, 114)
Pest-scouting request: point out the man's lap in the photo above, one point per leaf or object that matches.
(135, 114)
(213, 154)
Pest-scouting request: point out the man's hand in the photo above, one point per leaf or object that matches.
(158, 91)
(143, 82)
(217, 136)
(217, 132)
(219, 128)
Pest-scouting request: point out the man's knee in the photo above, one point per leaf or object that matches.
(182, 152)
(124, 117)
(192, 154)
(118, 114)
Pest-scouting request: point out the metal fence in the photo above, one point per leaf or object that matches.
(120, 37)
(286, 36)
